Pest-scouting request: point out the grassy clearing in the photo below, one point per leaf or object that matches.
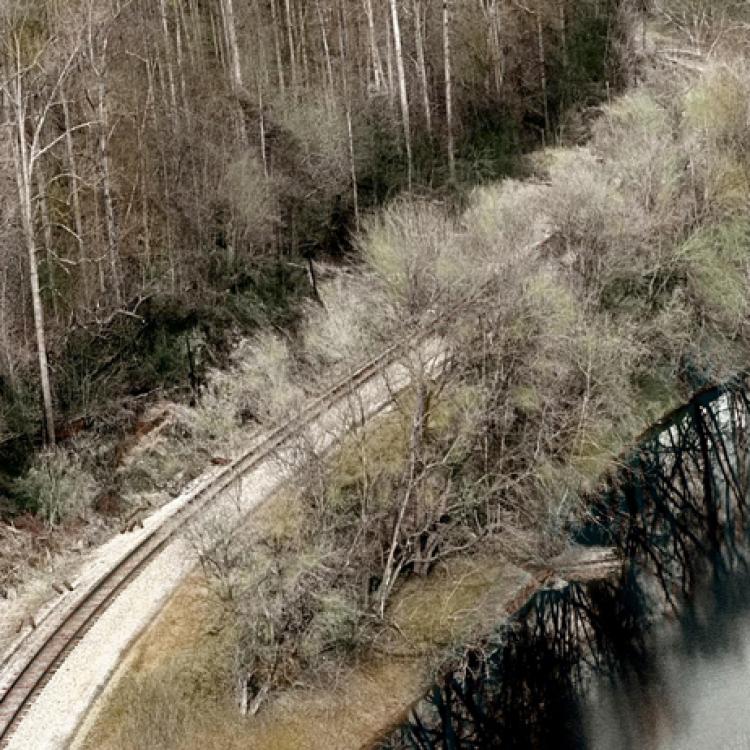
(179, 665)
(177, 688)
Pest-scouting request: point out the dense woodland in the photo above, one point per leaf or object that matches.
(171, 170)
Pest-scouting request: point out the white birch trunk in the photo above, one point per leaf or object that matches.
(24, 181)
(75, 201)
(421, 67)
(403, 94)
(235, 64)
(448, 91)
(377, 65)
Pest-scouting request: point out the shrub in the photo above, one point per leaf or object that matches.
(412, 249)
(354, 326)
(717, 261)
(164, 467)
(503, 219)
(56, 487)
(635, 137)
(717, 106)
(602, 228)
(333, 627)
(264, 375)
(716, 134)
(318, 130)
(258, 387)
(725, 184)
(248, 193)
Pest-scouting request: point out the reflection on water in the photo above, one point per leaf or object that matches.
(698, 693)
(658, 659)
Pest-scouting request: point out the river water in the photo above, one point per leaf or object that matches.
(696, 693)
(656, 657)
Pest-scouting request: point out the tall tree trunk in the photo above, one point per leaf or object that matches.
(389, 59)
(24, 180)
(421, 67)
(262, 131)
(109, 209)
(292, 54)
(75, 201)
(219, 50)
(277, 47)
(377, 65)
(448, 90)
(349, 128)
(47, 234)
(183, 24)
(261, 78)
(235, 65)
(326, 50)
(148, 116)
(145, 228)
(302, 34)
(495, 46)
(41, 342)
(196, 41)
(403, 94)
(563, 33)
(6, 347)
(543, 70)
(181, 68)
(168, 54)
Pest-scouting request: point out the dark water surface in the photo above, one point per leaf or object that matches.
(696, 692)
(657, 657)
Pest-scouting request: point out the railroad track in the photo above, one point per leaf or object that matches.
(46, 654)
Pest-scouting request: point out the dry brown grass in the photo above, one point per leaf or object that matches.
(173, 691)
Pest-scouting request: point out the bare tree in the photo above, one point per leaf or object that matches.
(97, 53)
(403, 94)
(419, 23)
(448, 90)
(374, 51)
(30, 115)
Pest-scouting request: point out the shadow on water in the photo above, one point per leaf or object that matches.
(599, 664)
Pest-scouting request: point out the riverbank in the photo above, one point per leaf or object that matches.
(593, 664)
